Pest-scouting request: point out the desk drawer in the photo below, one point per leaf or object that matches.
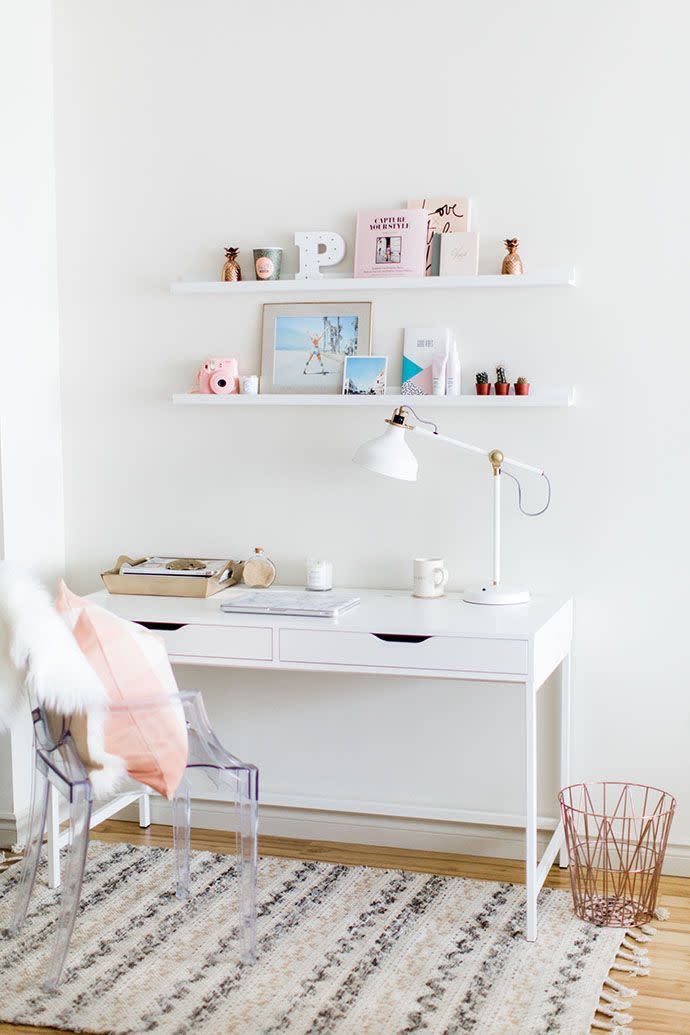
(386, 650)
(245, 643)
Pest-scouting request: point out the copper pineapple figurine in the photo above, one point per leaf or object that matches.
(231, 269)
(512, 263)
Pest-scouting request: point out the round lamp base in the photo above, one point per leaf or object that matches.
(495, 595)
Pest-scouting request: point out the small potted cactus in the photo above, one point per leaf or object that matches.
(522, 386)
(483, 386)
(501, 386)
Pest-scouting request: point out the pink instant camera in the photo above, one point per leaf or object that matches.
(218, 377)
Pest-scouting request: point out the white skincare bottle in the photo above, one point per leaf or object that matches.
(453, 371)
(438, 371)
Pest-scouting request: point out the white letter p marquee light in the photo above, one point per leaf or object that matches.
(318, 248)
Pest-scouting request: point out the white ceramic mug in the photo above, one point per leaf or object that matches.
(430, 577)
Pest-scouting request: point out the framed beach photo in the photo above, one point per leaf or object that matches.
(304, 345)
(365, 375)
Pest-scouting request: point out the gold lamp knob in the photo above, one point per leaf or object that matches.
(496, 457)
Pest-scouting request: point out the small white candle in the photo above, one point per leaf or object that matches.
(319, 574)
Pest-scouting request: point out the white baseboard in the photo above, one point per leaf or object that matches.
(8, 829)
(355, 828)
(677, 860)
(13, 828)
(391, 832)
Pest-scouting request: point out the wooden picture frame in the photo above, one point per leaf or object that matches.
(304, 345)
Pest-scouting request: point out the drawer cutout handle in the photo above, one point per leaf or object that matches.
(400, 638)
(163, 626)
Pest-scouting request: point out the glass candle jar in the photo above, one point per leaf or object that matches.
(319, 575)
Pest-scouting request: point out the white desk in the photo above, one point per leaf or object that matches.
(392, 633)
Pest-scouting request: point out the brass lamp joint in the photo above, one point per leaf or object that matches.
(398, 420)
(496, 457)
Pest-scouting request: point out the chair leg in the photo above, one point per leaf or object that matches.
(80, 819)
(181, 824)
(247, 806)
(242, 781)
(53, 838)
(40, 790)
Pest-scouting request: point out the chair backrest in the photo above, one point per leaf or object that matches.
(56, 754)
(72, 746)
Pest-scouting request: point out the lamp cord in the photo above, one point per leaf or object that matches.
(421, 419)
(530, 513)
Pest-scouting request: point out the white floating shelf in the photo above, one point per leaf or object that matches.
(555, 397)
(554, 276)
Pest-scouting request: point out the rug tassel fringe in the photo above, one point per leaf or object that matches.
(612, 1027)
(630, 968)
(623, 990)
(635, 957)
(639, 950)
(616, 1017)
(614, 1001)
(632, 958)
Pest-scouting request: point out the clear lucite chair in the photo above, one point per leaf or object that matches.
(58, 763)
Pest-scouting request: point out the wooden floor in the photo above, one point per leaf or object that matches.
(662, 1006)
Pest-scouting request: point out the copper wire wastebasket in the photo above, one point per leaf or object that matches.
(616, 836)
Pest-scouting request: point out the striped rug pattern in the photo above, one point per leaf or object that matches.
(341, 950)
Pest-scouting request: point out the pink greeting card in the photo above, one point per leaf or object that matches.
(391, 243)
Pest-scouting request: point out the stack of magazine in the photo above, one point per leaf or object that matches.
(189, 567)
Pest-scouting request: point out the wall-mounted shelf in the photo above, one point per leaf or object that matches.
(554, 397)
(553, 276)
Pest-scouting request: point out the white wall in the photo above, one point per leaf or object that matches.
(182, 128)
(31, 498)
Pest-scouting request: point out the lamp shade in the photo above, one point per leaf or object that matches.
(389, 454)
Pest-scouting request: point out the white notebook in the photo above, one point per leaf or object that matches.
(305, 603)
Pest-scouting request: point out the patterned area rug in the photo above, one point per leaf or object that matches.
(341, 950)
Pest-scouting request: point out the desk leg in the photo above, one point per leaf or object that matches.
(566, 724)
(531, 809)
(144, 811)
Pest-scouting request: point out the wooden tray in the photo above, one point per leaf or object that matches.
(169, 585)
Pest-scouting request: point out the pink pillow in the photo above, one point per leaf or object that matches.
(132, 663)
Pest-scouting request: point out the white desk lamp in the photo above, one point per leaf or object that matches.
(390, 454)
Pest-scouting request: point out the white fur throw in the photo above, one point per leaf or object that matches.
(42, 665)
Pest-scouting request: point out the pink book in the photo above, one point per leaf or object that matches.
(391, 243)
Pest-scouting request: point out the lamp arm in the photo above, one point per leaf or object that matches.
(473, 449)
(523, 466)
(451, 441)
